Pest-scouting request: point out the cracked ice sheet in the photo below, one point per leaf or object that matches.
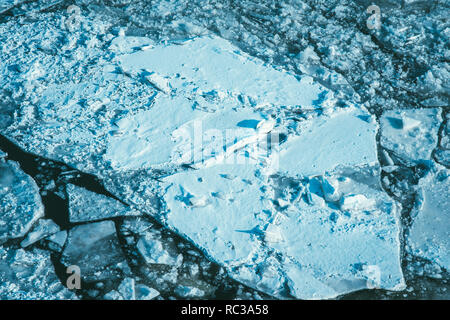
(195, 91)
(429, 236)
(212, 63)
(412, 134)
(227, 211)
(166, 133)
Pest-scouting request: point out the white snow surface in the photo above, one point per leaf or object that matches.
(412, 134)
(212, 63)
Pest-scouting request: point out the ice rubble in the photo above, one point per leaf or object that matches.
(411, 134)
(226, 208)
(234, 212)
(85, 206)
(29, 275)
(212, 63)
(429, 235)
(21, 204)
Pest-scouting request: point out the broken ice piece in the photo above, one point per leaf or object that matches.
(189, 292)
(356, 202)
(113, 295)
(153, 252)
(56, 241)
(333, 247)
(85, 205)
(145, 293)
(3, 155)
(411, 134)
(429, 236)
(95, 249)
(21, 204)
(172, 131)
(225, 228)
(127, 289)
(122, 45)
(29, 275)
(344, 138)
(159, 82)
(42, 229)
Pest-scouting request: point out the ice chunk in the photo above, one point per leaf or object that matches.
(334, 248)
(85, 205)
(212, 63)
(429, 236)
(127, 289)
(42, 229)
(21, 204)
(29, 275)
(189, 292)
(122, 45)
(412, 134)
(145, 293)
(113, 295)
(223, 226)
(96, 250)
(345, 138)
(56, 241)
(181, 134)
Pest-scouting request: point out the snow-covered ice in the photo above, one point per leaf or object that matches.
(21, 205)
(429, 236)
(412, 134)
(42, 229)
(161, 122)
(85, 205)
(224, 210)
(95, 248)
(212, 63)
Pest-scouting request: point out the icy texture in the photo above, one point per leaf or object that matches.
(224, 211)
(153, 252)
(403, 64)
(212, 63)
(21, 204)
(429, 236)
(42, 229)
(411, 134)
(95, 249)
(29, 275)
(145, 293)
(346, 138)
(85, 205)
(56, 241)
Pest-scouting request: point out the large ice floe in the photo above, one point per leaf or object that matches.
(290, 202)
(21, 204)
(429, 235)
